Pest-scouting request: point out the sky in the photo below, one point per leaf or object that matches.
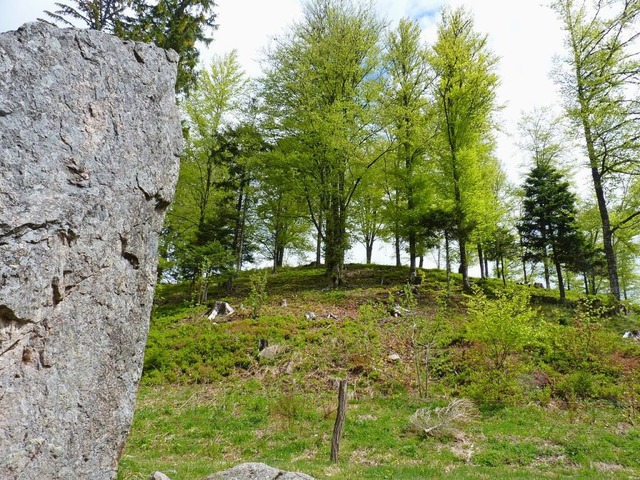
(524, 34)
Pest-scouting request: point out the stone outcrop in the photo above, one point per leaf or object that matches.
(89, 150)
(257, 471)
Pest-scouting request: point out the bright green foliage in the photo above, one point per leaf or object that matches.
(367, 212)
(258, 295)
(320, 88)
(205, 226)
(503, 325)
(464, 101)
(280, 211)
(406, 109)
(592, 264)
(500, 246)
(599, 87)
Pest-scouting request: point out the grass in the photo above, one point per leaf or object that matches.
(207, 402)
(191, 431)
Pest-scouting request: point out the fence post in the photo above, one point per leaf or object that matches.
(339, 425)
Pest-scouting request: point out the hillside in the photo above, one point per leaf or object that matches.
(554, 388)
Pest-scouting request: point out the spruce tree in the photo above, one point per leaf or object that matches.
(547, 226)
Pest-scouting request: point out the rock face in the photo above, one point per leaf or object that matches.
(89, 151)
(257, 471)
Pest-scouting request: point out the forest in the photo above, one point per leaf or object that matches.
(358, 132)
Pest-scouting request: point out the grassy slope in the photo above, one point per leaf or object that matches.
(206, 403)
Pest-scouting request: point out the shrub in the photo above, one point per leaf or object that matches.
(258, 295)
(502, 326)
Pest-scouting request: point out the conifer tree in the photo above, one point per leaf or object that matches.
(548, 225)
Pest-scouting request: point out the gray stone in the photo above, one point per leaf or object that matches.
(158, 476)
(270, 352)
(257, 471)
(89, 153)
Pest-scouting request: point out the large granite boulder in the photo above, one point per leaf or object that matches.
(89, 151)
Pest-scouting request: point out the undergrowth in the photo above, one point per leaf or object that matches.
(542, 375)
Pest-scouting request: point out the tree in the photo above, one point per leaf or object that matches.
(406, 106)
(600, 87)
(202, 223)
(464, 95)
(501, 246)
(366, 215)
(321, 89)
(107, 15)
(280, 210)
(174, 24)
(591, 263)
(548, 221)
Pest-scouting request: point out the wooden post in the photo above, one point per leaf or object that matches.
(339, 425)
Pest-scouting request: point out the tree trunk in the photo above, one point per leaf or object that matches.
(559, 275)
(594, 162)
(607, 235)
(397, 245)
(547, 275)
(318, 249)
(242, 205)
(504, 278)
(481, 260)
(412, 256)
(335, 241)
(464, 267)
(447, 261)
(369, 248)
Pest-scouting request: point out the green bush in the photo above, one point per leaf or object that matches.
(503, 327)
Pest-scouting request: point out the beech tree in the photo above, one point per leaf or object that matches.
(406, 105)
(600, 88)
(201, 223)
(366, 214)
(464, 101)
(321, 89)
(280, 211)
